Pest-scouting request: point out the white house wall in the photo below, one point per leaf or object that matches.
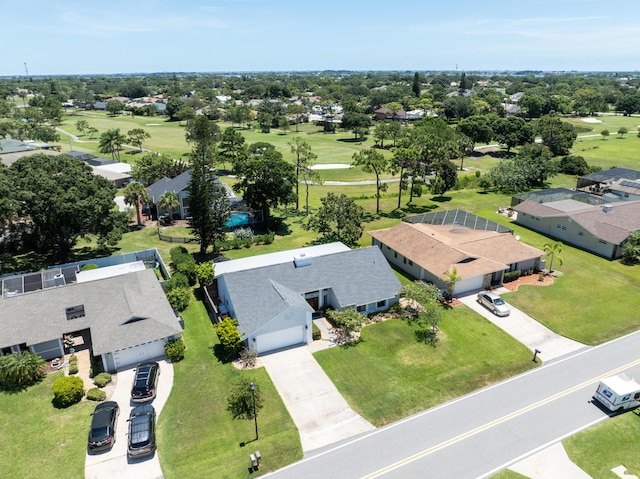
(566, 230)
(400, 261)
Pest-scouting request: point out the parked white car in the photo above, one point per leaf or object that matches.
(494, 303)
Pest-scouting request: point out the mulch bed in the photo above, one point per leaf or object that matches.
(532, 279)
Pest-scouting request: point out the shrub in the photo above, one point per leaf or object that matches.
(73, 359)
(205, 273)
(95, 394)
(243, 233)
(316, 334)
(248, 357)
(73, 368)
(229, 336)
(18, 370)
(511, 276)
(101, 380)
(184, 263)
(67, 390)
(177, 280)
(174, 349)
(179, 298)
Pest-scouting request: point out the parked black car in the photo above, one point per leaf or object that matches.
(145, 381)
(142, 431)
(102, 434)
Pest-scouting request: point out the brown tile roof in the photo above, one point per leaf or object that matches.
(438, 248)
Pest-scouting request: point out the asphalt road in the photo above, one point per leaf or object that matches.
(477, 435)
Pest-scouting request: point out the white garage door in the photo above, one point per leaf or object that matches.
(280, 339)
(130, 356)
(469, 284)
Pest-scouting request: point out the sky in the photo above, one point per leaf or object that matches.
(72, 37)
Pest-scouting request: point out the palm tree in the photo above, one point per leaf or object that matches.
(553, 252)
(134, 194)
(110, 142)
(451, 278)
(169, 201)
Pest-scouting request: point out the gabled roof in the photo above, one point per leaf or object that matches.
(437, 248)
(177, 184)
(356, 277)
(110, 305)
(9, 159)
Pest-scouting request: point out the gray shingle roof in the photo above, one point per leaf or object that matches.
(357, 277)
(121, 312)
(177, 184)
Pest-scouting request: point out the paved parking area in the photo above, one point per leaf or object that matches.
(526, 329)
(115, 463)
(319, 411)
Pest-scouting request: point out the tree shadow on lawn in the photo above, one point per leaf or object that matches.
(441, 199)
(408, 210)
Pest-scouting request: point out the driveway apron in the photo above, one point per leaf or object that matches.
(115, 463)
(527, 330)
(320, 413)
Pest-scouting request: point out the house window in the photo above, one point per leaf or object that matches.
(564, 227)
(602, 241)
(404, 260)
(410, 263)
(361, 309)
(75, 312)
(382, 304)
(558, 226)
(387, 247)
(395, 254)
(580, 233)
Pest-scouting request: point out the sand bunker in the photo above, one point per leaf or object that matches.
(330, 166)
(591, 120)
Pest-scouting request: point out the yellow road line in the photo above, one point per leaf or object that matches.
(489, 425)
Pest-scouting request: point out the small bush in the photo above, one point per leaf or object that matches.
(67, 390)
(73, 368)
(511, 276)
(179, 298)
(174, 349)
(95, 394)
(177, 280)
(73, 359)
(316, 334)
(243, 233)
(102, 379)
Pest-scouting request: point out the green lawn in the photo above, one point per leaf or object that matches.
(609, 444)
(197, 437)
(39, 441)
(388, 375)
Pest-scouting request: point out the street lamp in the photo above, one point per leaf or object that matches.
(252, 386)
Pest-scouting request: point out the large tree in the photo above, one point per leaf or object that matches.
(373, 161)
(63, 200)
(267, 181)
(556, 134)
(208, 204)
(155, 166)
(358, 123)
(232, 147)
(303, 158)
(338, 219)
(478, 128)
(512, 131)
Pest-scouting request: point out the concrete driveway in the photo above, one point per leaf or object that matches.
(320, 413)
(115, 463)
(526, 329)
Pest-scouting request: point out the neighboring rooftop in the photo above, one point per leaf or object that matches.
(457, 217)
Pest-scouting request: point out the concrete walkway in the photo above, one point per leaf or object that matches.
(320, 413)
(115, 463)
(550, 463)
(526, 329)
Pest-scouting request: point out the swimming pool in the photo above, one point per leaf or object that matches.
(237, 219)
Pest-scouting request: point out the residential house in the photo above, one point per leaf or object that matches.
(120, 311)
(275, 296)
(597, 216)
(180, 185)
(428, 246)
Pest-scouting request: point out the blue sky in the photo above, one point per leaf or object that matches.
(115, 36)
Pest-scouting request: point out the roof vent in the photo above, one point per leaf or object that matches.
(75, 312)
(607, 208)
(302, 260)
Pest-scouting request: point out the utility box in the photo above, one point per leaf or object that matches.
(618, 393)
